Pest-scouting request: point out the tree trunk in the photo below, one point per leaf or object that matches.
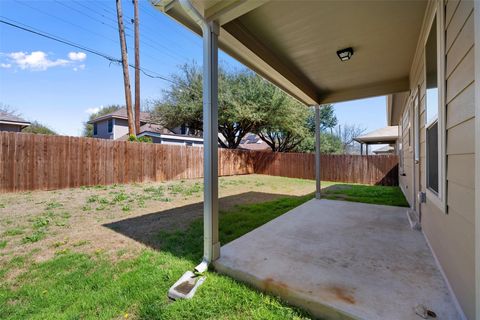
(137, 66)
(126, 77)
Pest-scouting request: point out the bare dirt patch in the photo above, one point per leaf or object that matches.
(39, 225)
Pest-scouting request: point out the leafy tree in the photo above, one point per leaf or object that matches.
(88, 128)
(283, 122)
(246, 103)
(329, 144)
(38, 128)
(183, 105)
(328, 120)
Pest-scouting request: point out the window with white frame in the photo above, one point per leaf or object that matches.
(406, 127)
(416, 127)
(431, 109)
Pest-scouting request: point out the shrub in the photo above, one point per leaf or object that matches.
(145, 139)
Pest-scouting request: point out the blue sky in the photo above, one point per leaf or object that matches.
(58, 85)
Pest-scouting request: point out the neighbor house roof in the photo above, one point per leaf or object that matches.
(383, 135)
(253, 142)
(121, 114)
(7, 118)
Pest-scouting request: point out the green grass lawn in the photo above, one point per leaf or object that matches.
(391, 196)
(79, 285)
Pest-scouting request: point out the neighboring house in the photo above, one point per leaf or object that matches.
(162, 135)
(12, 123)
(252, 141)
(114, 126)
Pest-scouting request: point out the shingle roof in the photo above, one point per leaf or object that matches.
(7, 117)
(156, 128)
(121, 114)
(253, 142)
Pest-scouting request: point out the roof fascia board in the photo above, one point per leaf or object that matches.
(243, 36)
(232, 46)
(17, 123)
(228, 10)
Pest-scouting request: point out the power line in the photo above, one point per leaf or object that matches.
(145, 40)
(180, 59)
(65, 21)
(29, 29)
(95, 11)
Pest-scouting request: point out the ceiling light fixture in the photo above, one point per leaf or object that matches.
(345, 54)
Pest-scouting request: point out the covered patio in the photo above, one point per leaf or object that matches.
(342, 260)
(338, 260)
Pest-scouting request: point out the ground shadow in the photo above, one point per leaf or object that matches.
(180, 230)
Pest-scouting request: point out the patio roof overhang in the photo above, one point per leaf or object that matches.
(387, 135)
(293, 44)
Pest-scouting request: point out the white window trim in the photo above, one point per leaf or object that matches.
(438, 199)
(416, 125)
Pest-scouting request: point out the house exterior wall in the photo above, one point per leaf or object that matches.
(102, 130)
(10, 127)
(450, 226)
(120, 128)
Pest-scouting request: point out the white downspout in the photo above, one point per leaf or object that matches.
(210, 32)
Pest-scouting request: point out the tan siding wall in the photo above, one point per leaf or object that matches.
(451, 234)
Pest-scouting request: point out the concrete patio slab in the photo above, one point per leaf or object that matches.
(342, 260)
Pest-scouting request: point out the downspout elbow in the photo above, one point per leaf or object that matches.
(194, 14)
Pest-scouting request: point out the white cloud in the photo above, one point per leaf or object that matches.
(37, 60)
(77, 56)
(92, 110)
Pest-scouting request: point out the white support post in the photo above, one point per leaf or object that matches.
(477, 156)
(317, 152)
(210, 136)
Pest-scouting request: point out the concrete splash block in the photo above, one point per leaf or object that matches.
(186, 286)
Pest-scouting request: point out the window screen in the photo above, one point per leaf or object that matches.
(432, 109)
(95, 129)
(432, 157)
(110, 125)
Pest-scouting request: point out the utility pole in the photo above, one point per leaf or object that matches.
(126, 77)
(137, 66)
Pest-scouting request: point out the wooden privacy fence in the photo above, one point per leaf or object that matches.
(33, 162)
(40, 162)
(379, 170)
